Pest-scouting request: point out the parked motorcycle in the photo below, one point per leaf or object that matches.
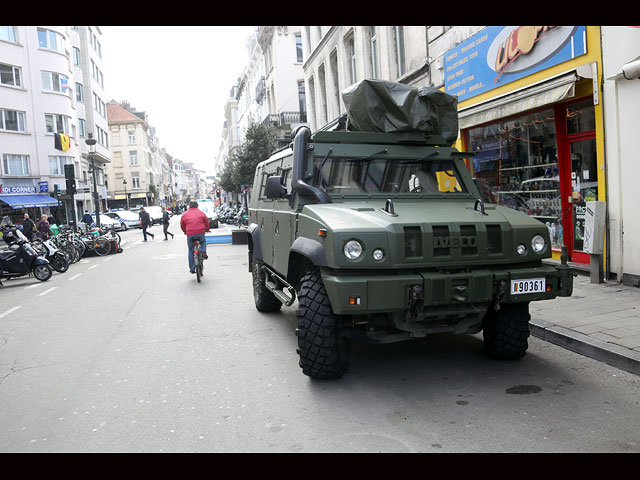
(20, 258)
(57, 259)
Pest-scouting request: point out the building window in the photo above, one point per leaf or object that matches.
(10, 75)
(81, 127)
(351, 63)
(298, 47)
(57, 163)
(57, 123)
(55, 82)
(398, 33)
(323, 96)
(50, 40)
(132, 137)
(102, 137)
(333, 62)
(12, 120)
(79, 93)
(9, 34)
(16, 164)
(133, 157)
(76, 56)
(135, 181)
(302, 103)
(373, 51)
(99, 106)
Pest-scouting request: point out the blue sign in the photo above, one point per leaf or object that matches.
(497, 56)
(44, 187)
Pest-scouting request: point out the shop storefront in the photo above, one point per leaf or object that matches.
(529, 110)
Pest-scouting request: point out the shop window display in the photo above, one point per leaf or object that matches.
(516, 163)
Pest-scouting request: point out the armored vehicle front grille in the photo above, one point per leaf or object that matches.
(494, 239)
(441, 232)
(412, 242)
(469, 247)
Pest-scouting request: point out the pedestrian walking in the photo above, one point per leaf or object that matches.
(165, 224)
(145, 222)
(87, 220)
(43, 227)
(28, 226)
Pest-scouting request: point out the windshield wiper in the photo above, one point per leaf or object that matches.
(371, 156)
(320, 178)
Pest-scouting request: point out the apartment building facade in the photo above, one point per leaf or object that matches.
(51, 82)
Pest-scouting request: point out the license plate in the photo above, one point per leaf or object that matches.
(527, 285)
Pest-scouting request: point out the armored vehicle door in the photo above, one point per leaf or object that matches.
(264, 214)
(283, 222)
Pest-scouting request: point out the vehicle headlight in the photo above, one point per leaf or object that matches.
(352, 249)
(521, 249)
(378, 254)
(538, 244)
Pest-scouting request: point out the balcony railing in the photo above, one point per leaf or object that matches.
(285, 118)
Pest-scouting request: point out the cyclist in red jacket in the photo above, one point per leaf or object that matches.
(194, 223)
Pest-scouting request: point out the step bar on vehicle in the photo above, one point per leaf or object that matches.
(279, 287)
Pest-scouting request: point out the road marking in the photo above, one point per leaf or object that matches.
(107, 259)
(34, 285)
(47, 291)
(10, 311)
(75, 276)
(93, 266)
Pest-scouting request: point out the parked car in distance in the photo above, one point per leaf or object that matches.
(209, 209)
(126, 218)
(155, 213)
(105, 221)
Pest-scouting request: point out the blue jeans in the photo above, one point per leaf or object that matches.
(203, 247)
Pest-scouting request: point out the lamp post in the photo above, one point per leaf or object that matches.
(126, 197)
(91, 142)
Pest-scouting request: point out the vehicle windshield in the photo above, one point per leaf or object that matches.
(366, 175)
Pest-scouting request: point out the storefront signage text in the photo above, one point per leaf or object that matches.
(9, 190)
(496, 56)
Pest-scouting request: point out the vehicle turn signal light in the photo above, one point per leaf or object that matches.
(322, 232)
(354, 300)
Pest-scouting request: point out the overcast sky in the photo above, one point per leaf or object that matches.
(180, 76)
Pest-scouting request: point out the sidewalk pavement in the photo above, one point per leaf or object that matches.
(600, 321)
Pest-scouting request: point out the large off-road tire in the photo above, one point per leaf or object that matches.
(506, 331)
(324, 352)
(265, 300)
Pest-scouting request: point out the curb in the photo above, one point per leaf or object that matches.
(613, 355)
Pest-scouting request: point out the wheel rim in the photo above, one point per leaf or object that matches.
(42, 272)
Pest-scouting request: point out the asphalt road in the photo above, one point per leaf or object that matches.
(128, 353)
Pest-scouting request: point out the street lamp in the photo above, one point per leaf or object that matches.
(91, 142)
(126, 197)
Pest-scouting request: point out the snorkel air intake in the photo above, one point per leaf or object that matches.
(298, 181)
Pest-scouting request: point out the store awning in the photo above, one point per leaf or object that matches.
(29, 201)
(545, 93)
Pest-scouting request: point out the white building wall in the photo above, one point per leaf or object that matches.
(621, 103)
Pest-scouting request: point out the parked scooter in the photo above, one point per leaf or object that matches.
(20, 258)
(57, 259)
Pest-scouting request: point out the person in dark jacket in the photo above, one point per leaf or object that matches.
(165, 224)
(27, 227)
(145, 222)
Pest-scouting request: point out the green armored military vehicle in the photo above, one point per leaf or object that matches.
(382, 236)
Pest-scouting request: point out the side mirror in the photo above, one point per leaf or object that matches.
(274, 187)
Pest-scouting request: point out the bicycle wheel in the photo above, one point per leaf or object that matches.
(102, 246)
(198, 264)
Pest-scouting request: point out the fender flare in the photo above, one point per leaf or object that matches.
(255, 250)
(312, 249)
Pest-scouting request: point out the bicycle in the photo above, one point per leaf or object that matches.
(198, 260)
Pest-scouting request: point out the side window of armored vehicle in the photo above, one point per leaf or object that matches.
(342, 175)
